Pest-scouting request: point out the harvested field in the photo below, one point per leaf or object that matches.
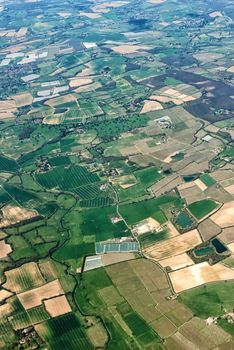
(13, 215)
(227, 235)
(77, 82)
(36, 296)
(87, 88)
(166, 184)
(230, 189)
(192, 194)
(22, 100)
(98, 335)
(200, 184)
(5, 249)
(4, 294)
(57, 306)
(196, 275)
(174, 246)
(8, 106)
(53, 102)
(150, 106)
(224, 216)
(164, 327)
(177, 262)
(114, 258)
(208, 229)
(172, 230)
(128, 49)
(23, 278)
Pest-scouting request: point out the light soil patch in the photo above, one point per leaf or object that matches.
(13, 215)
(144, 226)
(8, 106)
(208, 229)
(5, 249)
(200, 184)
(196, 275)
(22, 100)
(54, 119)
(177, 262)
(36, 296)
(57, 306)
(64, 14)
(227, 235)
(90, 15)
(128, 49)
(125, 181)
(231, 247)
(4, 294)
(151, 106)
(114, 258)
(156, 2)
(215, 14)
(23, 278)
(174, 246)
(230, 189)
(61, 100)
(88, 88)
(77, 82)
(224, 217)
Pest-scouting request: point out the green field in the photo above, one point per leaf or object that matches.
(202, 208)
(207, 180)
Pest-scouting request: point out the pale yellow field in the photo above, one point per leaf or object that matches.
(5, 249)
(200, 184)
(8, 106)
(4, 294)
(13, 214)
(196, 275)
(77, 82)
(177, 262)
(128, 49)
(230, 189)
(174, 246)
(22, 100)
(53, 102)
(224, 217)
(57, 306)
(150, 106)
(36, 296)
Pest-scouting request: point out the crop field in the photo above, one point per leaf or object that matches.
(202, 208)
(66, 179)
(199, 274)
(7, 164)
(62, 331)
(24, 278)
